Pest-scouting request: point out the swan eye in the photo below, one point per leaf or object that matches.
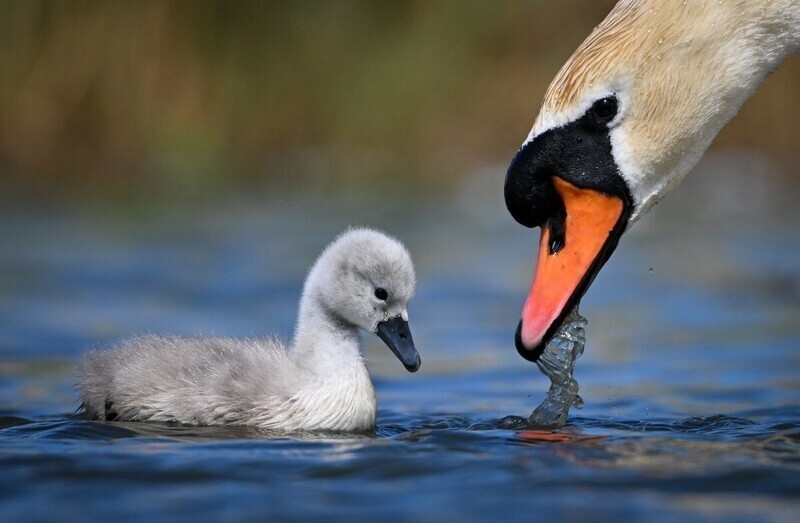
(381, 293)
(604, 110)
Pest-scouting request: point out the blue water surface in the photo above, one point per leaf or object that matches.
(690, 374)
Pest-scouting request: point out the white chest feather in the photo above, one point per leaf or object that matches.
(343, 401)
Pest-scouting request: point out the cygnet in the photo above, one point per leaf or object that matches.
(364, 280)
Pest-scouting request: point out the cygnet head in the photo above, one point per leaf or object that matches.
(366, 279)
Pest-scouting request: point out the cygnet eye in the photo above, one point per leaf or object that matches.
(381, 293)
(604, 110)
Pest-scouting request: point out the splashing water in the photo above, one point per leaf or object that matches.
(558, 363)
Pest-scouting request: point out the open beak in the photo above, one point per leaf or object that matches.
(397, 336)
(571, 252)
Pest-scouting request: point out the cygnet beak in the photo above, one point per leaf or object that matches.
(397, 336)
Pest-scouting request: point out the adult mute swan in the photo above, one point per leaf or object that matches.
(624, 121)
(362, 281)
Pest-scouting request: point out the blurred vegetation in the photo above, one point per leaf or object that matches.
(136, 99)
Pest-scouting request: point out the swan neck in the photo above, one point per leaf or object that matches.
(321, 336)
(688, 78)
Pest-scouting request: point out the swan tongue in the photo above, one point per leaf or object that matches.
(397, 336)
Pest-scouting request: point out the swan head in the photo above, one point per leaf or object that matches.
(366, 279)
(623, 122)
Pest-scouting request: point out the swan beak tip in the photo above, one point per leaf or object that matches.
(533, 354)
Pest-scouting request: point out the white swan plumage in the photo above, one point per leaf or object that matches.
(363, 280)
(623, 122)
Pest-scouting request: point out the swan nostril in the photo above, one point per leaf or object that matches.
(402, 336)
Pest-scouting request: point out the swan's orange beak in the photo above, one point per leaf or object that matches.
(564, 270)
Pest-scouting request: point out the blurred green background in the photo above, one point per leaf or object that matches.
(178, 100)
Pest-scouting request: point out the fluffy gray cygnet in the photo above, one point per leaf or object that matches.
(363, 280)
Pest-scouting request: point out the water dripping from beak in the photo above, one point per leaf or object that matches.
(557, 362)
